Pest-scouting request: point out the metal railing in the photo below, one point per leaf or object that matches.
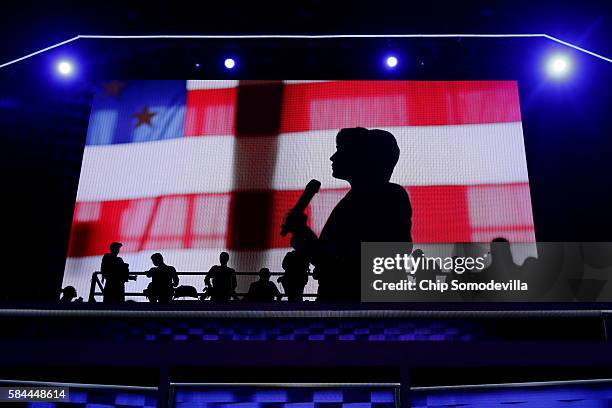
(96, 287)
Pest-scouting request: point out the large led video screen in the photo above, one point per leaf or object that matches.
(193, 168)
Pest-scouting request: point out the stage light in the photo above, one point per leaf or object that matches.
(558, 66)
(65, 68)
(229, 63)
(391, 61)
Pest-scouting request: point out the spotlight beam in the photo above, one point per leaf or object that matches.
(306, 37)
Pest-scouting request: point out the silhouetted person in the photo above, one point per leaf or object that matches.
(221, 281)
(296, 267)
(163, 280)
(69, 295)
(263, 290)
(115, 272)
(373, 210)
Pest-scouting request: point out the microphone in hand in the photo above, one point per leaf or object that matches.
(295, 220)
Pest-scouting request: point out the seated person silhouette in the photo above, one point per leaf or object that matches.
(69, 295)
(296, 267)
(115, 273)
(221, 281)
(163, 280)
(263, 290)
(374, 210)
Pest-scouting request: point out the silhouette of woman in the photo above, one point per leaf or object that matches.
(374, 210)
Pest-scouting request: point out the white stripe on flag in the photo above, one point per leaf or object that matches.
(210, 84)
(194, 84)
(140, 170)
(430, 155)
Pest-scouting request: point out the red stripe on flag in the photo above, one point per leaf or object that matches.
(440, 214)
(210, 112)
(339, 104)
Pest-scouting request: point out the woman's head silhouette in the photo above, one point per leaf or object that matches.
(364, 155)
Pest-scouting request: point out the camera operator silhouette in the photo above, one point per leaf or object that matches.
(163, 280)
(115, 272)
(69, 295)
(221, 281)
(296, 267)
(373, 210)
(263, 290)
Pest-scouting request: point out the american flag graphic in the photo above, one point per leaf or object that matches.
(192, 168)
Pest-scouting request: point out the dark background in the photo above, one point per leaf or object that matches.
(30, 25)
(43, 119)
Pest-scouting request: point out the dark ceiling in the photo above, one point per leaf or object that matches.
(27, 25)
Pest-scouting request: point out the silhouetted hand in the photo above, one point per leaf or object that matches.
(295, 222)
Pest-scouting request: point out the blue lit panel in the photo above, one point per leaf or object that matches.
(570, 395)
(284, 397)
(100, 398)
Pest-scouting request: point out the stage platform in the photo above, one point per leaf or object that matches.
(276, 343)
(171, 332)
